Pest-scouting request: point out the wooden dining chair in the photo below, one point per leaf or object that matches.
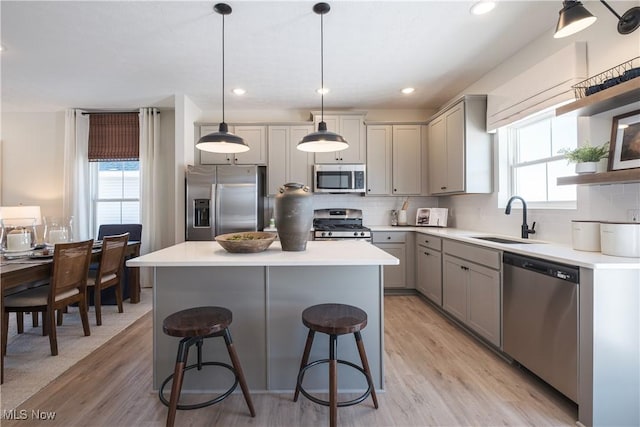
(68, 285)
(109, 273)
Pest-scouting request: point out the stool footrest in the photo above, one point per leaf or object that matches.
(208, 402)
(351, 402)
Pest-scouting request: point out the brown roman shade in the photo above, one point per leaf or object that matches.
(114, 137)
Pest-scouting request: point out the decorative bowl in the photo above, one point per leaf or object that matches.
(246, 242)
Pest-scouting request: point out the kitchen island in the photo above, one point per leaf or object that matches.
(267, 293)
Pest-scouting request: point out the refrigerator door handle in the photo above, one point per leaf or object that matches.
(215, 212)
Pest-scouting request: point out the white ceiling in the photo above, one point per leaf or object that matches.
(120, 55)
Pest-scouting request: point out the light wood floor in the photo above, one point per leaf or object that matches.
(435, 374)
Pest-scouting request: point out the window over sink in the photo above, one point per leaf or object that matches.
(533, 164)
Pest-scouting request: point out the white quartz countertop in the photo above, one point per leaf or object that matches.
(210, 253)
(535, 248)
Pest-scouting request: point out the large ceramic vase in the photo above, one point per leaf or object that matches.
(294, 216)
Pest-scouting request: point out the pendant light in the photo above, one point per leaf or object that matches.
(575, 17)
(322, 141)
(222, 141)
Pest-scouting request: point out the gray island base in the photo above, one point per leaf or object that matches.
(267, 293)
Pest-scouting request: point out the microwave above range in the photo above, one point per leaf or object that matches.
(339, 178)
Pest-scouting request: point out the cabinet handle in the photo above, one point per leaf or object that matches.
(443, 188)
(388, 237)
(368, 189)
(395, 189)
(426, 241)
(426, 253)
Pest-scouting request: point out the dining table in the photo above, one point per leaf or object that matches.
(22, 273)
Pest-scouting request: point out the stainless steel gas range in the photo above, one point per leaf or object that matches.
(339, 224)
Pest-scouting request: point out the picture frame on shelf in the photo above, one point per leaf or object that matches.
(625, 141)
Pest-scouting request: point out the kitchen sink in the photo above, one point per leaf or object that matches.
(500, 240)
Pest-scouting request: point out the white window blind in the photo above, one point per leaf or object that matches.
(545, 84)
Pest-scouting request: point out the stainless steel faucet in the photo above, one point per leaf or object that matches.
(525, 227)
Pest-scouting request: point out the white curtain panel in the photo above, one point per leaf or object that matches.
(150, 169)
(76, 195)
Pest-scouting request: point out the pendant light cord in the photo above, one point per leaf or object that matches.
(223, 68)
(322, 67)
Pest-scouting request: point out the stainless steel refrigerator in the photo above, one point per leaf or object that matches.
(223, 199)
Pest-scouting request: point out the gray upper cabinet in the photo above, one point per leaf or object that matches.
(394, 159)
(459, 148)
(254, 136)
(351, 128)
(286, 162)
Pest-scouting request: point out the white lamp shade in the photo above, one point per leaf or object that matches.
(21, 212)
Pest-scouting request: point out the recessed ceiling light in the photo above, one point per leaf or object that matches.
(482, 7)
(408, 90)
(239, 91)
(323, 90)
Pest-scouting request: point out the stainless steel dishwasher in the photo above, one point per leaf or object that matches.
(540, 319)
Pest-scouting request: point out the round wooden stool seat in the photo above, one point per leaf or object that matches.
(197, 322)
(334, 319)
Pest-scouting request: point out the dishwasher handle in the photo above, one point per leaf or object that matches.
(567, 273)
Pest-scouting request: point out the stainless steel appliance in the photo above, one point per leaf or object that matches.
(223, 199)
(339, 224)
(339, 178)
(540, 319)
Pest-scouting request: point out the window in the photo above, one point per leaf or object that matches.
(116, 193)
(534, 162)
(115, 168)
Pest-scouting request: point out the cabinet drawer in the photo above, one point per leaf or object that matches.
(389, 237)
(483, 256)
(429, 241)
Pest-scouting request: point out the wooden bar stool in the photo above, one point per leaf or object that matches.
(334, 320)
(193, 325)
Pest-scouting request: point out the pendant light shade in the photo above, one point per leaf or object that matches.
(322, 141)
(573, 18)
(222, 141)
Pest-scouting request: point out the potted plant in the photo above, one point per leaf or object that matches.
(586, 157)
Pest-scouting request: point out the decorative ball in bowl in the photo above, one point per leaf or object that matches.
(246, 242)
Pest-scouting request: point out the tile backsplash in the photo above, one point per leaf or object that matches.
(375, 210)
(480, 212)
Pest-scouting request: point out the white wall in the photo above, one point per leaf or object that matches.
(166, 216)
(606, 48)
(186, 114)
(32, 160)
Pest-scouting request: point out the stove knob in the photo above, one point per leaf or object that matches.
(323, 234)
(329, 233)
(355, 233)
(362, 233)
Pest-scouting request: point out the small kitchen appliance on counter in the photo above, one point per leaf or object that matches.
(339, 224)
(432, 217)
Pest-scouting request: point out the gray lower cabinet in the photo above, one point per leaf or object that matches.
(471, 287)
(429, 267)
(400, 245)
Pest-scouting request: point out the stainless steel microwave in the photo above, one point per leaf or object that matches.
(339, 178)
